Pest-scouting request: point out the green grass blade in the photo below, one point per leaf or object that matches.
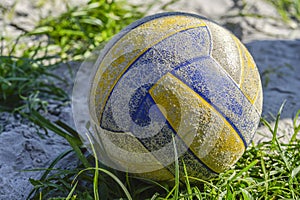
(171, 192)
(187, 182)
(229, 194)
(117, 180)
(74, 142)
(246, 194)
(68, 129)
(197, 193)
(154, 196)
(176, 170)
(205, 182)
(96, 174)
(275, 142)
(247, 168)
(72, 191)
(114, 177)
(266, 177)
(295, 172)
(54, 162)
(296, 126)
(274, 138)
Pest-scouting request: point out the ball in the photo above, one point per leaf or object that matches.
(174, 89)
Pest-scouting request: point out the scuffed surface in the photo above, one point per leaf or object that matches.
(262, 37)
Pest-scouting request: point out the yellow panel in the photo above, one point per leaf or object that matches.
(250, 84)
(208, 134)
(158, 175)
(127, 152)
(227, 150)
(136, 41)
(258, 103)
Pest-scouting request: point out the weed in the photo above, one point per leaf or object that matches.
(78, 31)
(288, 9)
(22, 78)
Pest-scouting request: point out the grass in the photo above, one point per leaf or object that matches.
(288, 14)
(79, 30)
(288, 9)
(22, 78)
(270, 170)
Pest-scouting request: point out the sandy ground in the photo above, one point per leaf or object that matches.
(274, 46)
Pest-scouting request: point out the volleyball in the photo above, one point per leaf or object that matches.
(173, 90)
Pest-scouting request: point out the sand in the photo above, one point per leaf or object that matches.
(275, 47)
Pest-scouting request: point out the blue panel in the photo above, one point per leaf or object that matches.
(139, 106)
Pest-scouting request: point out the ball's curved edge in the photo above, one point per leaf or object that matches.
(95, 62)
